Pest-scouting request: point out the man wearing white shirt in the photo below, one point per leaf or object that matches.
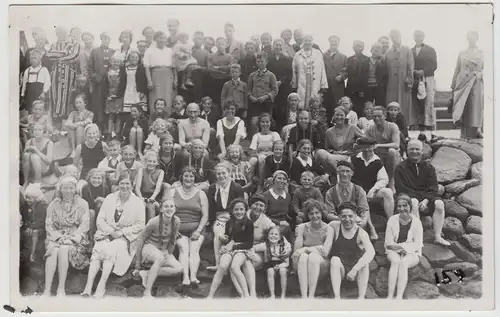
(370, 174)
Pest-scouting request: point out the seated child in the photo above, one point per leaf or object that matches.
(293, 115)
(129, 165)
(220, 195)
(33, 219)
(394, 115)
(184, 61)
(313, 108)
(277, 161)
(304, 129)
(35, 82)
(149, 183)
(109, 163)
(160, 112)
(240, 169)
(81, 88)
(367, 120)
(135, 128)
(178, 109)
(261, 146)
(94, 192)
(78, 120)
(169, 160)
(37, 156)
(91, 152)
(158, 130)
(277, 252)
(304, 192)
(37, 116)
(304, 161)
(352, 116)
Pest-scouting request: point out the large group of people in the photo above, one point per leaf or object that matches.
(155, 161)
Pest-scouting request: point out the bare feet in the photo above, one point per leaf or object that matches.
(212, 268)
(272, 297)
(147, 295)
(442, 242)
(186, 282)
(61, 292)
(144, 277)
(99, 293)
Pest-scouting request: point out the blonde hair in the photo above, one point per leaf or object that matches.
(157, 122)
(65, 180)
(91, 126)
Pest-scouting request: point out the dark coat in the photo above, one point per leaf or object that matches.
(235, 191)
(335, 65)
(140, 80)
(357, 73)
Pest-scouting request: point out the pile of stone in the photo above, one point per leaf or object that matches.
(458, 165)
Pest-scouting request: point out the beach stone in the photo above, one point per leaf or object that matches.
(454, 209)
(473, 241)
(438, 255)
(428, 236)
(459, 187)
(476, 171)
(472, 200)
(373, 266)
(427, 152)
(426, 222)
(474, 225)
(135, 291)
(29, 286)
(462, 252)
(381, 282)
(476, 141)
(116, 290)
(451, 164)
(421, 290)
(477, 275)
(422, 271)
(473, 289)
(468, 267)
(379, 246)
(453, 228)
(379, 222)
(75, 283)
(473, 150)
(454, 290)
(440, 190)
(167, 291)
(382, 260)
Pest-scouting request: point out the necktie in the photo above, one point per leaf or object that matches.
(118, 214)
(218, 198)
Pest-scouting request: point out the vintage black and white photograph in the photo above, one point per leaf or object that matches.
(252, 152)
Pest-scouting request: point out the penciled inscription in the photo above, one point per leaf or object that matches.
(449, 276)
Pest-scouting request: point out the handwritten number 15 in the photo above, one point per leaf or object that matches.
(446, 278)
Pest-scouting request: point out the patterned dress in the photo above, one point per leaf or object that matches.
(113, 103)
(66, 58)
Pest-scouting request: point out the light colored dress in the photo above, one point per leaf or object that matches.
(309, 74)
(113, 103)
(468, 91)
(132, 96)
(131, 222)
(72, 223)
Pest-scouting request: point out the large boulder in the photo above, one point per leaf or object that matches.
(135, 291)
(29, 286)
(467, 267)
(427, 152)
(379, 222)
(382, 260)
(459, 187)
(115, 290)
(421, 290)
(472, 199)
(473, 289)
(423, 271)
(454, 209)
(427, 222)
(451, 164)
(473, 150)
(438, 255)
(75, 284)
(474, 225)
(473, 241)
(381, 282)
(453, 228)
(462, 252)
(167, 291)
(476, 171)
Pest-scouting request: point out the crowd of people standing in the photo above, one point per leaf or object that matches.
(157, 166)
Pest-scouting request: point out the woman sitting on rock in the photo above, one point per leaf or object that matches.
(191, 204)
(120, 221)
(67, 226)
(238, 241)
(403, 245)
(312, 246)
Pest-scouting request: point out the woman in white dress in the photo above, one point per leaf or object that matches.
(309, 74)
(120, 221)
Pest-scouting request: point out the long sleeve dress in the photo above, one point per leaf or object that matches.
(131, 222)
(309, 75)
(400, 66)
(468, 90)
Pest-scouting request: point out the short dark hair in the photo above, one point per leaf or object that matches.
(345, 163)
(347, 205)
(366, 141)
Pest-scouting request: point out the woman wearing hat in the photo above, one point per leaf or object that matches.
(403, 245)
(279, 204)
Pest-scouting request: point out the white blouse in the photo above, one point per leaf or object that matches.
(155, 56)
(240, 130)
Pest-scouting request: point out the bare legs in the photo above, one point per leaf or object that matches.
(94, 267)
(238, 261)
(225, 262)
(136, 138)
(189, 257)
(337, 273)
(308, 270)
(438, 221)
(162, 266)
(398, 273)
(388, 201)
(392, 161)
(283, 272)
(57, 259)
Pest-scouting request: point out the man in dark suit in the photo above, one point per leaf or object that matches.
(335, 65)
(98, 71)
(377, 76)
(281, 66)
(422, 110)
(357, 77)
(220, 195)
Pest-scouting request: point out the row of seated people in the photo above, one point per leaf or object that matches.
(122, 216)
